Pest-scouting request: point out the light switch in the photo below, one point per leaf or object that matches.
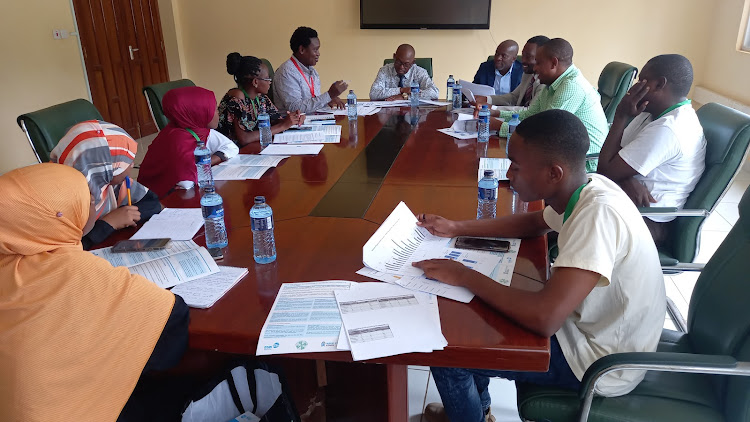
(59, 34)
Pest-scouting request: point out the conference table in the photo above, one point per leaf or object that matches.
(325, 208)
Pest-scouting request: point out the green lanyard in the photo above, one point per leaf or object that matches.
(252, 100)
(197, 139)
(680, 104)
(573, 201)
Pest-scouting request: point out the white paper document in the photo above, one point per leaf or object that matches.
(499, 165)
(238, 172)
(254, 160)
(304, 318)
(363, 109)
(299, 137)
(279, 149)
(317, 117)
(205, 291)
(172, 223)
(178, 268)
(470, 90)
(384, 103)
(422, 284)
(433, 102)
(129, 259)
(399, 242)
(463, 128)
(331, 134)
(384, 320)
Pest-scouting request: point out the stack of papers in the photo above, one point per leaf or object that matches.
(470, 90)
(320, 117)
(499, 165)
(398, 242)
(363, 109)
(376, 319)
(292, 149)
(310, 134)
(179, 263)
(172, 223)
(203, 292)
(245, 166)
(466, 127)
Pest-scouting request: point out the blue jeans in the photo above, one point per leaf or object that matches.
(464, 391)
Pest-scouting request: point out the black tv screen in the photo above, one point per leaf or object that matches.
(424, 14)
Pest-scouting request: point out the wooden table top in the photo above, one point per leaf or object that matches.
(327, 206)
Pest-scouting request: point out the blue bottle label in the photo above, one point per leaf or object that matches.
(511, 128)
(484, 119)
(488, 194)
(216, 211)
(264, 223)
(264, 123)
(415, 89)
(203, 160)
(450, 84)
(351, 101)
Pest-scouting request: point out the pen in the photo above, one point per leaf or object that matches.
(127, 184)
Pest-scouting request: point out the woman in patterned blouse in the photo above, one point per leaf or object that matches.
(239, 109)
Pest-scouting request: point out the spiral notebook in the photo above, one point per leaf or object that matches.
(205, 291)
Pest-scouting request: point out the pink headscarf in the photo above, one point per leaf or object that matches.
(170, 157)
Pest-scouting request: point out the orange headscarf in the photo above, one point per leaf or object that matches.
(75, 332)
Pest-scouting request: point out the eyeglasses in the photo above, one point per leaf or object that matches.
(264, 79)
(399, 63)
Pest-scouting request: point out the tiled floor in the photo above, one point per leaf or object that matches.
(422, 390)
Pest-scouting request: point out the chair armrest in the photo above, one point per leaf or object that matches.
(656, 361)
(672, 212)
(682, 266)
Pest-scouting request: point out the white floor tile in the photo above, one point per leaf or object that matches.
(735, 192)
(504, 405)
(685, 283)
(669, 325)
(674, 293)
(432, 395)
(716, 222)
(419, 368)
(417, 388)
(728, 211)
(710, 241)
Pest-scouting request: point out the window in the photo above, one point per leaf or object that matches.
(743, 41)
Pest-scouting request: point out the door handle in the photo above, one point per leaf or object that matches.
(131, 50)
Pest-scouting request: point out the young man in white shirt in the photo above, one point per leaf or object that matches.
(659, 156)
(606, 293)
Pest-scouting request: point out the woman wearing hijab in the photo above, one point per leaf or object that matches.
(104, 153)
(76, 334)
(239, 109)
(169, 162)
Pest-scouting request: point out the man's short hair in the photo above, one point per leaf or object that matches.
(561, 49)
(539, 40)
(301, 37)
(558, 135)
(676, 69)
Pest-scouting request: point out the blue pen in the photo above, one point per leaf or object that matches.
(127, 184)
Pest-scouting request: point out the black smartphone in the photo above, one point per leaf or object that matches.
(482, 244)
(140, 245)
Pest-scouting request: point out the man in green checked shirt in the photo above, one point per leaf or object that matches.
(566, 89)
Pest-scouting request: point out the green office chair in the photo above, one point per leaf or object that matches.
(423, 62)
(689, 374)
(270, 75)
(154, 94)
(44, 128)
(614, 82)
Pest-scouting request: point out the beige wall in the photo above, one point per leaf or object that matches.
(727, 71)
(626, 31)
(37, 71)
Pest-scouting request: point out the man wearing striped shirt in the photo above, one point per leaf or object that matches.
(566, 89)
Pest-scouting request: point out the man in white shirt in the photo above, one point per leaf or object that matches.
(606, 293)
(395, 79)
(659, 156)
(529, 86)
(296, 84)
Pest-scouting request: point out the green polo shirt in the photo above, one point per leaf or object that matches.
(570, 92)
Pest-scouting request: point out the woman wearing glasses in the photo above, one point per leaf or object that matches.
(239, 109)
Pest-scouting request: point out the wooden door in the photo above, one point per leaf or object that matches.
(123, 52)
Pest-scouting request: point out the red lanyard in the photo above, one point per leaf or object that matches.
(310, 82)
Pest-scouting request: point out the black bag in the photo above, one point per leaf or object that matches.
(247, 387)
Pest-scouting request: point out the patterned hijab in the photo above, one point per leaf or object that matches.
(100, 151)
(75, 332)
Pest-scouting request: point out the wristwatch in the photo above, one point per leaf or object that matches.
(405, 95)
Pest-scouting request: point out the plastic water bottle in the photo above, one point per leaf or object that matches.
(213, 216)
(264, 125)
(414, 94)
(512, 124)
(449, 92)
(484, 124)
(261, 222)
(203, 164)
(351, 105)
(487, 198)
(457, 96)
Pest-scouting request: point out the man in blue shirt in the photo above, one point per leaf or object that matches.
(504, 72)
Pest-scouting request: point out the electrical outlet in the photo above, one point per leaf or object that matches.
(60, 34)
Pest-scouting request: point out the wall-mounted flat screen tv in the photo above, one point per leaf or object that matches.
(424, 14)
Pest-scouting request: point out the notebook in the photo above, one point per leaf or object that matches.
(205, 291)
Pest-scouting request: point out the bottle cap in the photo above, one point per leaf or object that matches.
(484, 106)
(351, 91)
(514, 115)
(209, 189)
(260, 199)
(489, 173)
(450, 76)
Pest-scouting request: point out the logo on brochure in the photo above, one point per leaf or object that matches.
(276, 345)
(322, 344)
(301, 345)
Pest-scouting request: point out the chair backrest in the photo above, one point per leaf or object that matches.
(44, 128)
(423, 62)
(718, 320)
(614, 82)
(154, 94)
(727, 134)
(270, 75)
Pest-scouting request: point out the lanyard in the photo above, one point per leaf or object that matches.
(197, 139)
(573, 201)
(680, 104)
(252, 101)
(310, 82)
